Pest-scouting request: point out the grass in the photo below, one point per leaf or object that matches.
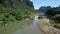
(9, 16)
(54, 24)
(57, 26)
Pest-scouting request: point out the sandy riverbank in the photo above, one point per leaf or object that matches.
(47, 28)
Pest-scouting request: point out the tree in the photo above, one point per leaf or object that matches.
(52, 12)
(56, 18)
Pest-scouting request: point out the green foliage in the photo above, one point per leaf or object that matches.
(56, 18)
(52, 12)
(54, 15)
(57, 26)
(9, 14)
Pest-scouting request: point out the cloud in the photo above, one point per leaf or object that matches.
(30, 0)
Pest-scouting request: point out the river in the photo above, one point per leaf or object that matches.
(31, 29)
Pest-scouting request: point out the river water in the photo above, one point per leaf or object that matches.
(32, 29)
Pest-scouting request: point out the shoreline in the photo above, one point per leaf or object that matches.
(47, 29)
(13, 26)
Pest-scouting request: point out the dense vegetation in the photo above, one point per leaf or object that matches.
(15, 10)
(54, 15)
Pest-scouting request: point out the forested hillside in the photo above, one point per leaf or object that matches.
(11, 10)
(54, 16)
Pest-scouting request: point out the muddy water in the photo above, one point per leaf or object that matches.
(32, 29)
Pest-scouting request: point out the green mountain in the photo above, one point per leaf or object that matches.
(11, 10)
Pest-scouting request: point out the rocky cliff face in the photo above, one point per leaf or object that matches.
(44, 8)
(16, 3)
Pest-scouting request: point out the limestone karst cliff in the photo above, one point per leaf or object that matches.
(16, 3)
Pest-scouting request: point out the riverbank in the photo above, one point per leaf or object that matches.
(48, 29)
(13, 26)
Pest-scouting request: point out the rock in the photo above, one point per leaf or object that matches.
(6, 24)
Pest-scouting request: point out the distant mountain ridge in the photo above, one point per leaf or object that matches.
(59, 7)
(44, 8)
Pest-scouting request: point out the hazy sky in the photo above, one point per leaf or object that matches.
(39, 3)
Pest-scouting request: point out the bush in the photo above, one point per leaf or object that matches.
(56, 18)
(52, 12)
(57, 26)
(9, 14)
(54, 15)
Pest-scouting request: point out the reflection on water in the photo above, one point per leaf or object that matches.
(32, 29)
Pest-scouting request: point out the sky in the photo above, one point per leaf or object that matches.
(38, 3)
